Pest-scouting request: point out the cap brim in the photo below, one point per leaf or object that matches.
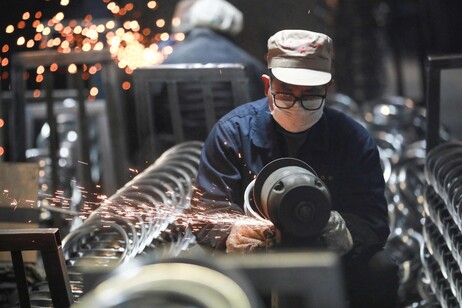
(301, 77)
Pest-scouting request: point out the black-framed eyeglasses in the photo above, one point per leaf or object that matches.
(308, 102)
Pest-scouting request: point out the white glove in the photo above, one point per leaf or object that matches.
(336, 234)
(244, 238)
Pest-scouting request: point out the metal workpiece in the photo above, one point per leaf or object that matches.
(139, 218)
(146, 205)
(405, 189)
(442, 231)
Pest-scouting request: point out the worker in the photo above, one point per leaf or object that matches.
(293, 121)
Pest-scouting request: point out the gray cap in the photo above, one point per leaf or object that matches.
(301, 57)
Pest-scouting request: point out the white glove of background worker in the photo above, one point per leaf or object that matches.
(248, 238)
(336, 234)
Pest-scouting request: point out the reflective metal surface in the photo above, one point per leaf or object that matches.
(399, 126)
(168, 285)
(441, 256)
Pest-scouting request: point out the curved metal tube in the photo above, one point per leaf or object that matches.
(127, 223)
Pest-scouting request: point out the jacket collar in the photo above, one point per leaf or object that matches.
(260, 137)
(204, 32)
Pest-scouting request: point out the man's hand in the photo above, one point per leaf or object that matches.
(336, 234)
(246, 238)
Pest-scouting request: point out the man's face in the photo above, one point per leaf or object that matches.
(295, 108)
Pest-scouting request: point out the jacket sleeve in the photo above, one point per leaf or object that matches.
(217, 187)
(364, 207)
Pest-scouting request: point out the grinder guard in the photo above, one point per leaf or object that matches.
(288, 192)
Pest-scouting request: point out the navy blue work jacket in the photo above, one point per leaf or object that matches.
(338, 148)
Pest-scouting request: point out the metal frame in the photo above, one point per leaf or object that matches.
(172, 75)
(434, 66)
(48, 242)
(95, 112)
(316, 277)
(117, 175)
(2, 129)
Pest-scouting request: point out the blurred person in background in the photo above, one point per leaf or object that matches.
(209, 27)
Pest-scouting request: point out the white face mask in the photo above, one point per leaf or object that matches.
(297, 119)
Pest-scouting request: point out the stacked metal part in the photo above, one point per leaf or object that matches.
(442, 232)
(398, 127)
(139, 218)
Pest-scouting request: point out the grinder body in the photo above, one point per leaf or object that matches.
(288, 192)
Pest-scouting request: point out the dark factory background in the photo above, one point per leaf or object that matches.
(84, 161)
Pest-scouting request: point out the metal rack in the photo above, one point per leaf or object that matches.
(192, 96)
(48, 242)
(434, 66)
(116, 173)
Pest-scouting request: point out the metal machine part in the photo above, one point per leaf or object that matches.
(288, 192)
(171, 284)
